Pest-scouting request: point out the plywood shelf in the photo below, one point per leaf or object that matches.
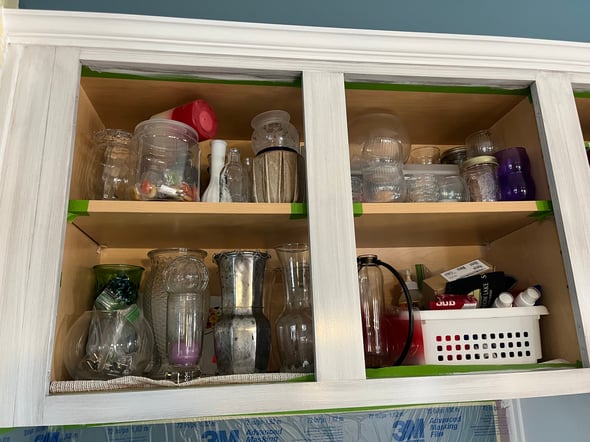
(443, 224)
(137, 224)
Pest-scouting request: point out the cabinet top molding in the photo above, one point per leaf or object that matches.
(107, 40)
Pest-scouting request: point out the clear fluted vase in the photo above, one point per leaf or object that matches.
(155, 305)
(294, 326)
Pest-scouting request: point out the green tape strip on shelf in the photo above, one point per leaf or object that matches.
(544, 210)
(90, 73)
(357, 209)
(298, 211)
(436, 88)
(77, 208)
(437, 370)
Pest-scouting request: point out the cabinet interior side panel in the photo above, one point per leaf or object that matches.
(532, 255)
(436, 260)
(75, 295)
(519, 128)
(87, 122)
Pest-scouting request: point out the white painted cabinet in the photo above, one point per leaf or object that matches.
(65, 75)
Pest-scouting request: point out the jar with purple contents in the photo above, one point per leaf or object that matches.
(514, 174)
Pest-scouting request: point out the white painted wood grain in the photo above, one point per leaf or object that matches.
(20, 182)
(266, 398)
(336, 306)
(54, 142)
(569, 177)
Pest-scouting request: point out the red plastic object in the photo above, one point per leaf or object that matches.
(200, 116)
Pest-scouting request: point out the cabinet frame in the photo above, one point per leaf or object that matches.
(38, 100)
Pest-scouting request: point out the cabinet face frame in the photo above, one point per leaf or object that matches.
(38, 97)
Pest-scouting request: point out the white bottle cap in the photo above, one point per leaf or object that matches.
(527, 298)
(503, 300)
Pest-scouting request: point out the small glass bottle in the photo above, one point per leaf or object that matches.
(295, 323)
(372, 312)
(233, 181)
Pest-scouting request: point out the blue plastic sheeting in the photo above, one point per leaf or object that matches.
(478, 422)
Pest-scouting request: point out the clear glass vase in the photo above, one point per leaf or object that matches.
(155, 302)
(294, 326)
(186, 279)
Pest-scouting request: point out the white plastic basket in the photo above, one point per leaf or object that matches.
(482, 336)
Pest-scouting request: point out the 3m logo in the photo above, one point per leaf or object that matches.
(408, 430)
(50, 436)
(221, 436)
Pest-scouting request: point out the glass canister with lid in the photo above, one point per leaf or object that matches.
(278, 169)
(167, 161)
(481, 177)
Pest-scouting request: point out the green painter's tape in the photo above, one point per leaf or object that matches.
(357, 209)
(77, 208)
(87, 72)
(437, 370)
(435, 88)
(544, 210)
(298, 211)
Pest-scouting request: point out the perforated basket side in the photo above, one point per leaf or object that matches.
(482, 341)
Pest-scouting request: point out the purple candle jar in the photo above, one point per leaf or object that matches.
(516, 186)
(514, 174)
(513, 159)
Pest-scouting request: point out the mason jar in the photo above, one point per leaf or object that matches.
(481, 177)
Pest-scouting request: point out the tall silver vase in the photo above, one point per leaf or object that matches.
(242, 334)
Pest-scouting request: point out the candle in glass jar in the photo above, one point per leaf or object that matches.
(182, 354)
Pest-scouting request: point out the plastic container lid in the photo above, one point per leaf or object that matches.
(200, 116)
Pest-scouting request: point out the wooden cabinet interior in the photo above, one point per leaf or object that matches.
(439, 235)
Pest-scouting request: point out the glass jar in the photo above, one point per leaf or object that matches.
(383, 181)
(272, 129)
(481, 177)
(294, 326)
(155, 301)
(167, 161)
(110, 165)
(480, 143)
(455, 155)
(278, 169)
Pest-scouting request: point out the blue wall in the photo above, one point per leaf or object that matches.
(550, 19)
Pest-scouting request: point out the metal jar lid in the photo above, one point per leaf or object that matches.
(479, 160)
(454, 154)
